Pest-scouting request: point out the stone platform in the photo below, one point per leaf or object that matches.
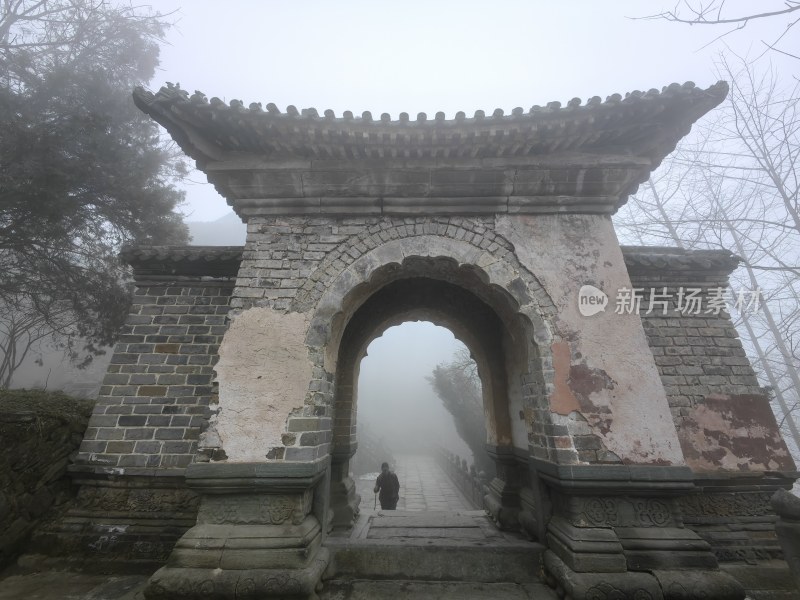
(424, 590)
(432, 554)
(435, 547)
(455, 546)
(410, 554)
(53, 585)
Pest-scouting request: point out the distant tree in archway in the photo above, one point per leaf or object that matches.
(459, 387)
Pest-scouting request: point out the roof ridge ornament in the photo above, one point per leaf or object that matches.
(172, 92)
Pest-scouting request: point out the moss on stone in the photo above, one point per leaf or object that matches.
(44, 403)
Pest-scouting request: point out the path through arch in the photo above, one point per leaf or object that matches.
(402, 420)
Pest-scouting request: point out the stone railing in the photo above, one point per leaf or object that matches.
(465, 478)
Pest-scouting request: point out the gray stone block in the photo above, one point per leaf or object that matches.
(625, 584)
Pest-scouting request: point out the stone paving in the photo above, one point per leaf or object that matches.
(424, 486)
(435, 546)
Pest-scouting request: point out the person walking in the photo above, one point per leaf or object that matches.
(388, 485)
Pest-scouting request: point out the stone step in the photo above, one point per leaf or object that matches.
(435, 561)
(767, 580)
(430, 590)
(461, 546)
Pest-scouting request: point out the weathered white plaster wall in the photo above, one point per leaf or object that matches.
(620, 392)
(263, 373)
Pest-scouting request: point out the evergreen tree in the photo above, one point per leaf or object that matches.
(82, 171)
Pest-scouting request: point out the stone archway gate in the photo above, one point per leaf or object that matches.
(618, 438)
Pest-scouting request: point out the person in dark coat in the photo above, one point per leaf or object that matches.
(389, 487)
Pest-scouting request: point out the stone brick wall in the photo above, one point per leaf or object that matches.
(156, 394)
(703, 366)
(40, 431)
(726, 427)
(696, 353)
(289, 263)
(290, 259)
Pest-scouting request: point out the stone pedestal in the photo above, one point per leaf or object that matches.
(732, 512)
(258, 534)
(617, 529)
(502, 501)
(344, 499)
(787, 506)
(122, 521)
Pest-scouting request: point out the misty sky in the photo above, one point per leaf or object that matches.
(395, 402)
(413, 56)
(416, 56)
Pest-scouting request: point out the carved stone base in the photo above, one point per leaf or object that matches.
(684, 584)
(528, 514)
(502, 501)
(344, 499)
(344, 503)
(585, 549)
(650, 548)
(616, 532)
(258, 534)
(241, 584)
(732, 512)
(121, 523)
(497, 504)
(623, 585)
(787, 506)
(689, 584)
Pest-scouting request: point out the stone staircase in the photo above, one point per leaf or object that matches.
(432, 556)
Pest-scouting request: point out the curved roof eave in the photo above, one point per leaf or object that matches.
(640, 124)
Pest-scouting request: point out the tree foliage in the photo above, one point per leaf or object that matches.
(81, 170)
(458, 386)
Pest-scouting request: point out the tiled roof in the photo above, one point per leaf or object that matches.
(678, 259)
(183, 261)
(646, 124)
(224, 260)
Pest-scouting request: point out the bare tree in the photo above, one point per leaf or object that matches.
(718, 13)
(20, 331)
(734, 184)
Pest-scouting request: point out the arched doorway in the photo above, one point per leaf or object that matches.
(487, 320)
(419, 408)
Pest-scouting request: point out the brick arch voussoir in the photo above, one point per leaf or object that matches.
(468, 243)
(476, 231)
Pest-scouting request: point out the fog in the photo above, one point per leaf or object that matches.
(395, 401)
(422, 56)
